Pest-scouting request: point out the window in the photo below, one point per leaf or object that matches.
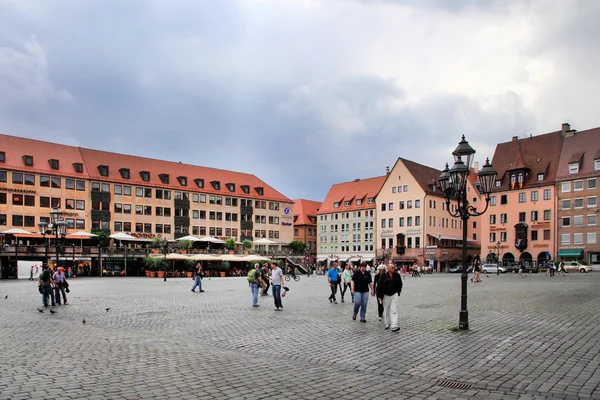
(565, 187)
(29, 201)
(573, 168)
(118, 226)
(408, 221)
(503, 236)
(492, 219)
(103, 170)
(29, 179)
(2, 198)
(498, 183)
(591, 183)
(566, 221)
(540, 177)
(17, 178)
(565, 204)
(195, 197)
(417, 203)
(578, 185)
(409, 204)
(17, 199)
(17, 220)
(492, 237)
(534, 195)
(2, 176)
(70, 204)
(145, 175)
(578, 220)
(503, 218)
(126, 208)
(358, 202)
(78, 167)
(578, 203)
(337, 205)
(401, 221)
(547, 215)
(522, 197)
(390, 222)
(393, 189)
(534, 215)
(28, 160)
(383, 223)
(546, 234)
(139, 192)
(80, 224)
(164, 178)
(521, 217)
(118, 208)
(547, 194)
(2, 156)
(405, 188)
(125, 173)
(139, 210)
(578, 238)
(534, 235)
(371, 200)
(597, 164)
(591, 219)
(148, 193)
(591, 238)
(383, 205)
(417, 221)
(401, 205)
(591, 202)
(200, 183)
(182, 180)
(390, 206)
(492, 200)
(504, 199)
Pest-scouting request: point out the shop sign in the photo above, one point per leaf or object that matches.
(494, 228)
(537, 245)
(492, 247)
(286, 223)
(142, 235)
(114, 259)
(541, 225)
(11, 190)
(413, 231)
(70, 214)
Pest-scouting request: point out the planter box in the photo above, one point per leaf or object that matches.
(189, 274)
(222, 273)
(161, 274)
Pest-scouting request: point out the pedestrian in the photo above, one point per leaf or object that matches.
(476, 271)
(380, 272)
(332, 279)
(197, 277)
(45, 282)
(561, 268)
(60, 285)
(521, 267)
(361, 283)
(254, 282)
(389, 289)
(265, 284)
(277, 283)
(346, 279)
(551, 267)
(403, 270)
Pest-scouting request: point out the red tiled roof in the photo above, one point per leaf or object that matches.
(16, 147)
(425, 176)
(584, 147)
(540, 154)
(305, 208)
(359, 189)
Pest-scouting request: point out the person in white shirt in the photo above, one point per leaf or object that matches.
(276, 284)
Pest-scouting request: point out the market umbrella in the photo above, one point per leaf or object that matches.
(211, 239)
(231, 258)
(81, 235)
(253, 258)
(17, 231)
(203, 257)
(189, 237)
(264, 241)
(122, 236)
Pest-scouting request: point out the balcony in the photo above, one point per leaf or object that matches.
(98, 215)
(182, 221)
(101, 196)
(182, 204)
(244, 225)
(246, 210)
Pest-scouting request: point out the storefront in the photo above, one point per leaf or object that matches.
(570, 254)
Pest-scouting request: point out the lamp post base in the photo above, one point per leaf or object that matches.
(463, 323)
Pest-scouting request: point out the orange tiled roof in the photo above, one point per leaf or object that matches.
(15, 148)
(425, 176)
(303, 209)
(359, 189)
(582, 147)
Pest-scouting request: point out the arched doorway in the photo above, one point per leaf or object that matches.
(543, 258)
(526, 259)
(491, 258)
(508, 259)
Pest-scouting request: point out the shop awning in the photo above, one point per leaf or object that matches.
(355, 259)
(367, 259)
(322, 259)
(574, 253)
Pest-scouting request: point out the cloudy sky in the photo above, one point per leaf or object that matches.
(302, 93)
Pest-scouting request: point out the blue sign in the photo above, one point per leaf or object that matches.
(286, 210)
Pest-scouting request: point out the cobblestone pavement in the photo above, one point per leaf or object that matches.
(530, 338)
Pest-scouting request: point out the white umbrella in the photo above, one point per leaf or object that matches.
(263, 241)
(211, 239)
(122, 236)
(231, 257)
(252, 258)
(17, 231)
(177, 256)
(189, 237)
(203, 257)
(82, 234)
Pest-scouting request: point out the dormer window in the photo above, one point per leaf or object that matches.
(103, 170)
(573, 167)
(53, 163)
(216, 185)
(336, 204)
(164, 178)
(371, 200)
(2, 156)
(540, 177)
(182, 180)
(260, 191)
(245, 189)
(199, 182)
(145, 175)
(231, 187)
(358, 202)
(498, 183)
(125, 173)
(347, 203)
(28, 161)
(78, 167)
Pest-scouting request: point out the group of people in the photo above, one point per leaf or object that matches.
(52, 285)
(386, 286)
(261, 278)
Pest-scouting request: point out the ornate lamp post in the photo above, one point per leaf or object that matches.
(453, 183)
(498, 259)
(57, 227)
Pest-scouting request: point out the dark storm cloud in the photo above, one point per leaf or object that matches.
(303, 94)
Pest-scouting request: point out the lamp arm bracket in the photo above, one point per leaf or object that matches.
(472, 211)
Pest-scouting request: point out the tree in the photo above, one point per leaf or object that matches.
(185, 244)
(230, 244)
(102, 238)
(298, 246)
(247, 244)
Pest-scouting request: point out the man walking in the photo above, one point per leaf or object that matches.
(388, 290)
(45, 280)
(255, 281)
(265, 280)
(277, 283)
(198, 277)
(332, 279)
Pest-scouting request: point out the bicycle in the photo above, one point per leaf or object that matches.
(288, 277)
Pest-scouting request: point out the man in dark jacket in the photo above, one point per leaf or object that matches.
(388, 290)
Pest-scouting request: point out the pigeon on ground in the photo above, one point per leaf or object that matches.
(83, 321)
(107, 309)
(40, 310)
(52, 312)
(6, 297)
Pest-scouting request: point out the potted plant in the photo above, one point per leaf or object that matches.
(230, 245)
(190, 264)
(150, 263)
(247, 245)
(223, 268)
(184, 246)
(160, 264)
(156, 244)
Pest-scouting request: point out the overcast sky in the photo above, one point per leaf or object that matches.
(302, 93)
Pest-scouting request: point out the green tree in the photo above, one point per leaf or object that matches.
(184, 244)
(102, 238)
(230, 244)
(298, 246)
(247, 244)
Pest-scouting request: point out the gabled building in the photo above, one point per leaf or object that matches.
(520, 224)
(305, 226)
(578, 193)
(346, 222)
(413, 224)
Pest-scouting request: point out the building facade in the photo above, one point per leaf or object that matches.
(414, 226)
(108, 192)
(520, 225)
(578, 193)
(305, 226)
(347, 223)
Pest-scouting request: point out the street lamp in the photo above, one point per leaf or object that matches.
(498, 259)
(453, 183)
(57, 227)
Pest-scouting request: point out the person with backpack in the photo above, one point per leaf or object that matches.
(255, 281)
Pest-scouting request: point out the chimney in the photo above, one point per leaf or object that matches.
(357, 180)
(476, 167)
(387, 170)
(515, 138)
(566, 128)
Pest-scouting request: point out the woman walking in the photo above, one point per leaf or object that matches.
(376, 282)
(346, 280)
(361, 284)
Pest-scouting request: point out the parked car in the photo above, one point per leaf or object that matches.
(492, 269)
(514, 268)
(575, 266)
(457, 269)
